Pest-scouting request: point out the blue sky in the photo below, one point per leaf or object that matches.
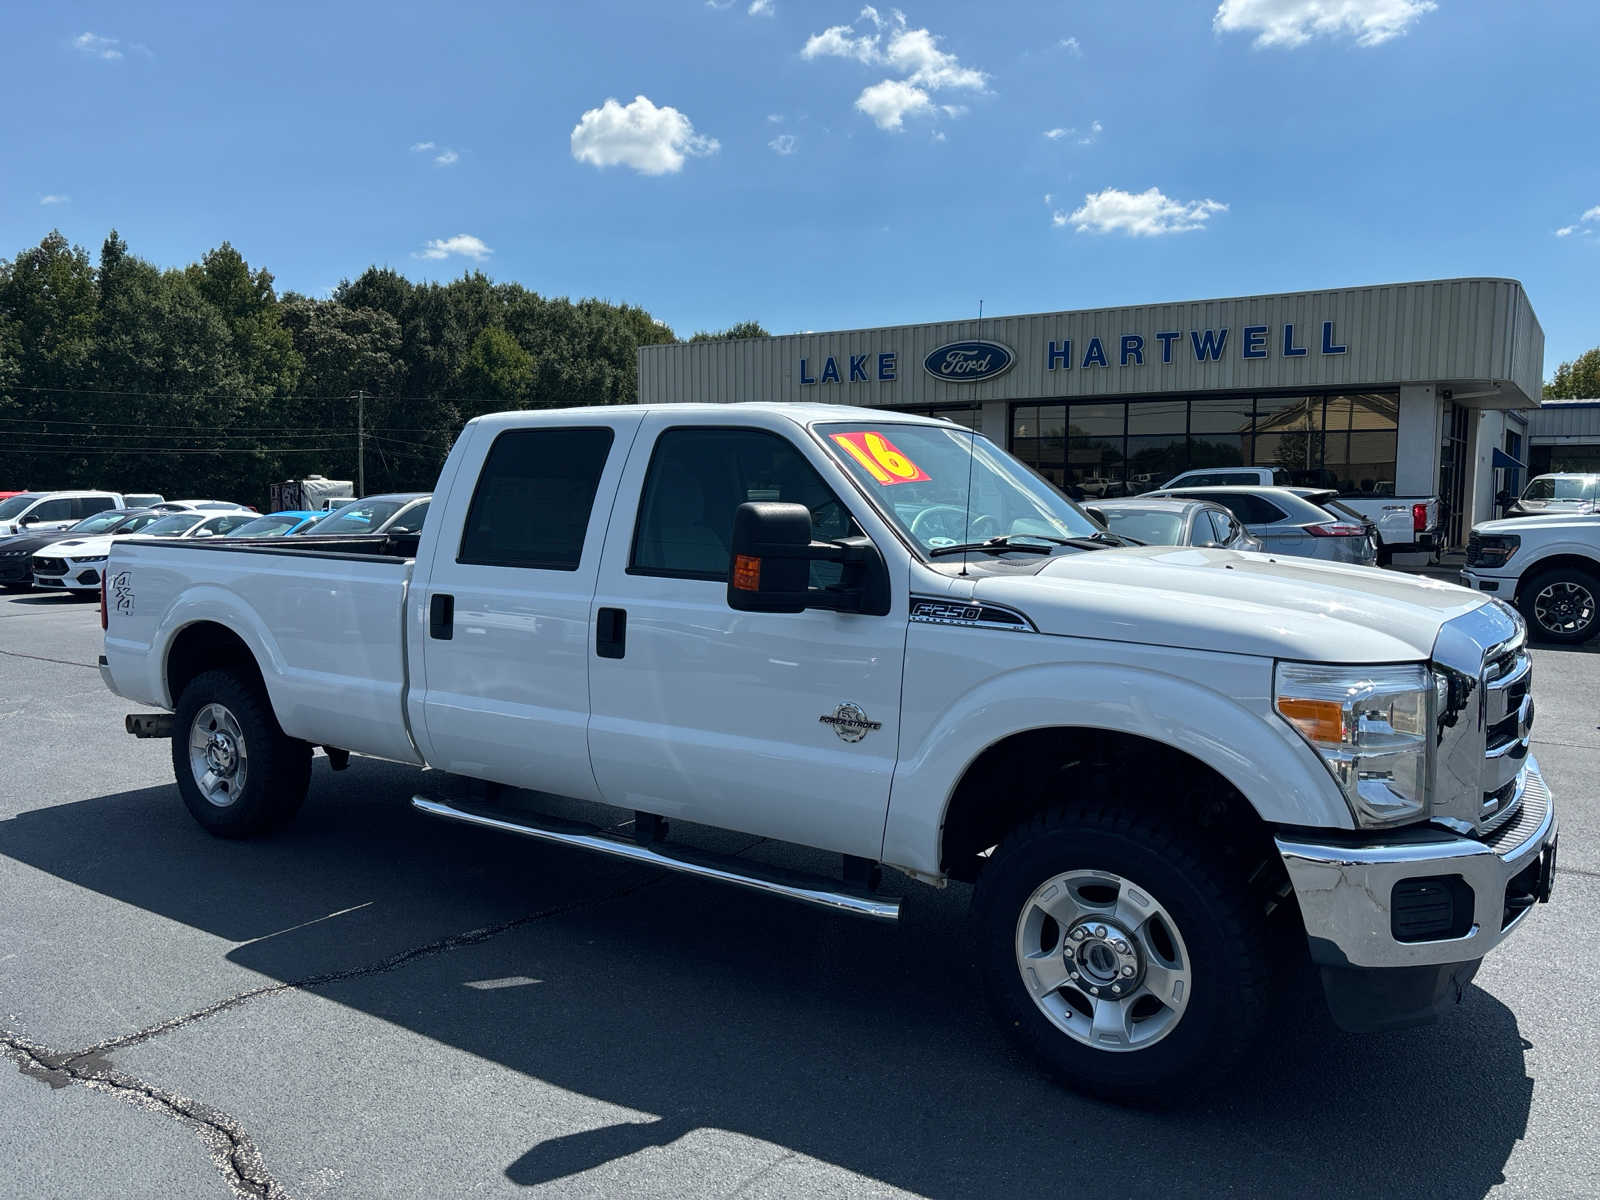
(1285, 150)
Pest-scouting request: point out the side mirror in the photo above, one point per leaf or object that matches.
(1095, 514)
(769, 567)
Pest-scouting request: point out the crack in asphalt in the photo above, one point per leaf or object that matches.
(65, 662)
(230, 1146)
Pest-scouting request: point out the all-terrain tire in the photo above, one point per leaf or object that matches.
(1221, 937)
(1561, 605)
(259, 774)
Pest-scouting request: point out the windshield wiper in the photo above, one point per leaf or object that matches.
(1003, 543)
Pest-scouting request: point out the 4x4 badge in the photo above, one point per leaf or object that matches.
(850, 722)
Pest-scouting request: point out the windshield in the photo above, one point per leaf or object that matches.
(362, 516)
(268, 526)
(945, 487)
(176, 525)
(1550, 487)
(100, 522)
(1151, 526)
(17, 504)
(136, 524)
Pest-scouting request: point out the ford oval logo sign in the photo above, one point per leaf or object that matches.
(968, 362)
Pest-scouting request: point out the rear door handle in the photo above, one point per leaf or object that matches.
(442, 617)
(611, 632)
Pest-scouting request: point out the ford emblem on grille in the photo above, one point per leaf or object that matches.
(969, 362)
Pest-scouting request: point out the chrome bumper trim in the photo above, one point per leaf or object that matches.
(1344, 890)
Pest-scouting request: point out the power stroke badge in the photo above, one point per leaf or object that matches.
(850, 722)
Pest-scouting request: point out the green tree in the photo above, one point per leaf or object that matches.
(1576, 380)
(497, 370)
(744, 329)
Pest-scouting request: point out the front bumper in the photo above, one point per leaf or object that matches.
(1503, 586)
(1347, 888)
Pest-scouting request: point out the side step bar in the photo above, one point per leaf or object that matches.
(824, 893)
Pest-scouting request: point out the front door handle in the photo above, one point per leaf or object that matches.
(442, 617)
(611, 632)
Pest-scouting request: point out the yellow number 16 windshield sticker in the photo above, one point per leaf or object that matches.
(880, 458)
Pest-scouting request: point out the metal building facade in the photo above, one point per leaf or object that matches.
(1446, 354)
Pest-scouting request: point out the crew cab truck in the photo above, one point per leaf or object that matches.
(1549, 567)
(1171, 773)
(1404, 524)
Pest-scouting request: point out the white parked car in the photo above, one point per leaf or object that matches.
(201, 506)
(76, 565)
(41, 512)
(1176, 776)
(1567, 493)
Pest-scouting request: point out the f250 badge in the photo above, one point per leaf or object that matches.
(850, 722)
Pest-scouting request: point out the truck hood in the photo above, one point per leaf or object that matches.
(1579, 526)
(1236, 603)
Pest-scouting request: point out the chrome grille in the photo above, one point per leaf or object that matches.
(1523, 817)
(1474, 549)
(1484, 726)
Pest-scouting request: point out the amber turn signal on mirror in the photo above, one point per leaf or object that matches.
(746, 573)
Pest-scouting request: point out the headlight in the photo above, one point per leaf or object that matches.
(1495, 549)
(1371, 725)
(89, 558)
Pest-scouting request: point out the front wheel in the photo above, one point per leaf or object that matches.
(1120, 954)
(239, 774)
(1560, 605)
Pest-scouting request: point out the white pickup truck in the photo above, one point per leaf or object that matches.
(1549, 567)
(1404, 524)
(1173, 774)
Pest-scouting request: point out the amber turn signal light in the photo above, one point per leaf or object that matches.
(746, 573)
(1319, 720)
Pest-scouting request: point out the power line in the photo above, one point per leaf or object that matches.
(171, 450)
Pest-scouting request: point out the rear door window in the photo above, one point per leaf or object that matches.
(87, 506)
(533, 498)
(54, 510)
(1252, 510)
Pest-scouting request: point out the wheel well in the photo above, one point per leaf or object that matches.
(207, 646)
(1556, 562)
(1026, 772)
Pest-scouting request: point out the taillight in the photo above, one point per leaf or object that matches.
(1336, 529)
(103, 622)
(1419, 517)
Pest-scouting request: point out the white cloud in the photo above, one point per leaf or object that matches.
(912, 54)
(463, 244)
(416, 146)
(838, 41)
(1095, 130)
(55, 198)
(1139, 214)
(1058, 132)
(1049, 199)
(1291, 23)
(1584, 225)
(775, 118)
(889, 103)
(96, 46)
(783, 143)
(651, 140)
(719, 4)
(446, 157)
(1070, 45)
(938, 135)
(761, 8)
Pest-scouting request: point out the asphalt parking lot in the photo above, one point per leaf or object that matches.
(377, 1004)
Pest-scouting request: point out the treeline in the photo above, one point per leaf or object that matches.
(204, 381)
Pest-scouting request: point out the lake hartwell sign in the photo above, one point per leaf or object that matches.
(975, 360)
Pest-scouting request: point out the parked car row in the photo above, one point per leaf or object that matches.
(45, 552)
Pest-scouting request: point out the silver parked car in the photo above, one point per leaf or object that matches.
(1290, 524)
(1174, 522)
(1563, 494)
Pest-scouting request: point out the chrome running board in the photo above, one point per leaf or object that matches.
(815, 890)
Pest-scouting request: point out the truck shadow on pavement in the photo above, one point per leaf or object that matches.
(865, 1047)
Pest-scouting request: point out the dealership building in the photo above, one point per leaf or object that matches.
(1400, 389)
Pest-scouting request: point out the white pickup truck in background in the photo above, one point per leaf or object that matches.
(1174, 775)
(1549, 567)
(1404, 524)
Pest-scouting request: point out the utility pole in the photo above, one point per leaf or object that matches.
(361, 442)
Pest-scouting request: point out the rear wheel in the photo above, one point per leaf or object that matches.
(238, 772)
(1560, 605)
(1119, 952)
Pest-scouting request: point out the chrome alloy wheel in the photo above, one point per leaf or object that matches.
(217, 755)
(1564, 607)
(1103, 961)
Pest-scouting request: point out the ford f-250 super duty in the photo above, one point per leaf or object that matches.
(1171, 773)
